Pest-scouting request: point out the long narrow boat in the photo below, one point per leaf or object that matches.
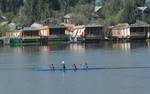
(86, 69)
(66, 69)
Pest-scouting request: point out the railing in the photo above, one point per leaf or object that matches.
(57, 36)
(92, 36)
(138, 34)
(31, 37)
(1, 38)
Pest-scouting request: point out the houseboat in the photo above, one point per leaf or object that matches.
(2, 38)
(94, 33)
(2, 34)
(57, 33)
(139, 31)
(75, 33)
(119, 32)
(129, 32)
(30, 35)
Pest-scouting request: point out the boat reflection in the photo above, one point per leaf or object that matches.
(122, 46)
(79, 48)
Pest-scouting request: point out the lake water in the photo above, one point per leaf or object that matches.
(17, 76)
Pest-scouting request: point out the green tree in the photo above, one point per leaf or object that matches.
(117, 11)
(10, 5)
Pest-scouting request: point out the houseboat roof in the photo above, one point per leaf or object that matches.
(56, 26)
(97, 8)
(68, 16)
(35, 28)
(3, 18)
(36, 25)
(93, 25)
(122, 25)
(140, 24)
(126, 25)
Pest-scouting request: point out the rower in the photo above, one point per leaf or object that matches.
(86, 65)
(74, 66)
(63, 65)
(52, 67)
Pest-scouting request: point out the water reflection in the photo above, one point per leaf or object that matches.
(122, 46)
(76, 48)
(148, 43)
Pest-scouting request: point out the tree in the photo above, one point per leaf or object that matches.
(82, 13)
(10, 5)
(113, 11)
(118, 11)
(110, 9)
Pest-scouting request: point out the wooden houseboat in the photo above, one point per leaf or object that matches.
(1, 38)
(35, 33)
(132, 32)
(57, 33)
(75, 33)
(119, 32)
(139, 31)
(94, 33)
(30, 35)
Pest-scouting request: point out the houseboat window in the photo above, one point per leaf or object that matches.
(31, 33)
(93, 30)
(0, 34)
(137, 29)
(58, 31)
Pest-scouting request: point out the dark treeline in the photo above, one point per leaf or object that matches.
(112, 12)
(10, 5)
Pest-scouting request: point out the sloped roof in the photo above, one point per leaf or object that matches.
(56, 26)
(4, 23)
(3, 18)
(121, 25)
(140, 24)
(94, 25)
(97, 8)
(36, 26)
(69, 15)
(12, 26)
(33, 27)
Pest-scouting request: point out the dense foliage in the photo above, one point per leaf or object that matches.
(112, 12)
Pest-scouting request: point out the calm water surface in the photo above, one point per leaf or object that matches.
(17, 76)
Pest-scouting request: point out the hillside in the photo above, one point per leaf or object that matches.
(112, 11)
